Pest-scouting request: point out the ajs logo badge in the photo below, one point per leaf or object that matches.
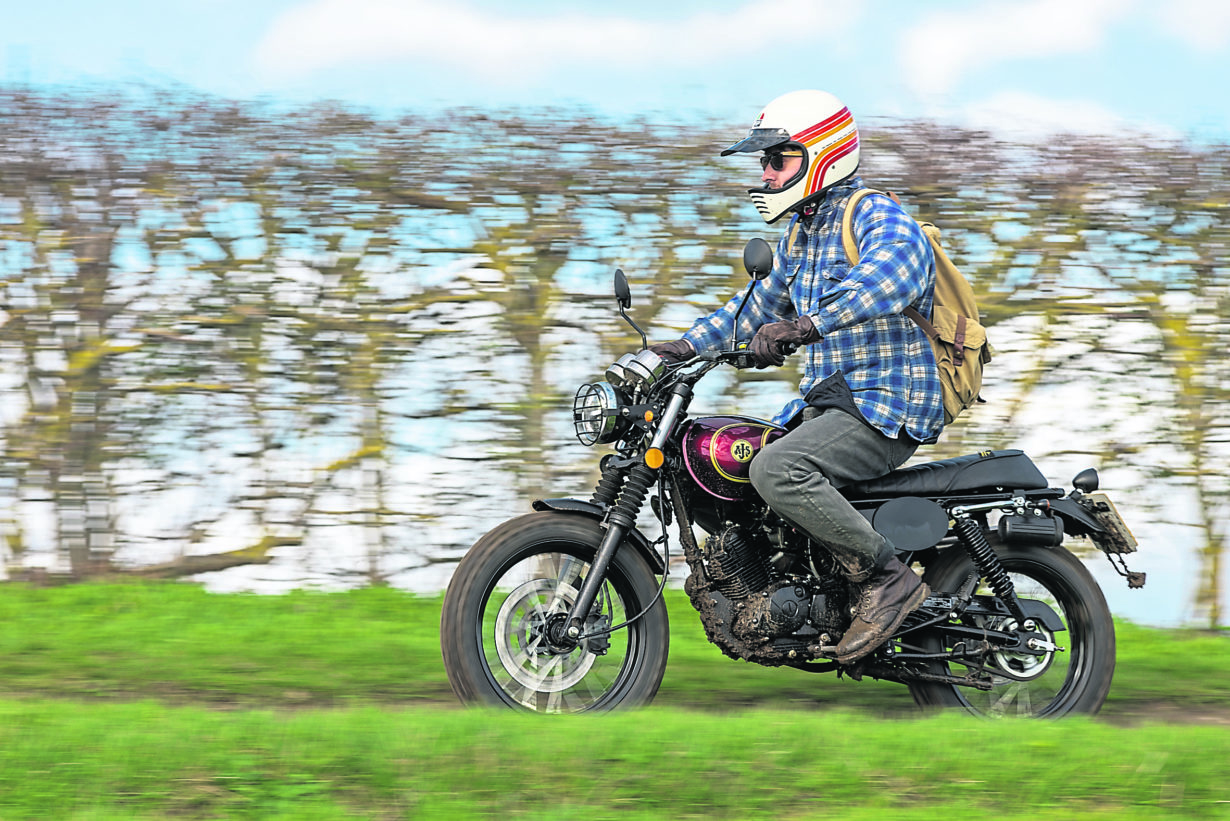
(741, 450)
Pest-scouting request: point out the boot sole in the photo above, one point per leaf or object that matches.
(913, 603)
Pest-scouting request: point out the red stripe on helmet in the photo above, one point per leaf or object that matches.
(823, 125)
(825, 162)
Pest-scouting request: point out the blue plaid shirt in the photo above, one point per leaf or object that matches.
(885, 358)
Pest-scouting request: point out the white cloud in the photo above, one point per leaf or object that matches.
(948, 45)
(1203, 24)
(1023, 116)
(323, 34)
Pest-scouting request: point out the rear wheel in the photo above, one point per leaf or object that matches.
(1073, 677)
(517, 584)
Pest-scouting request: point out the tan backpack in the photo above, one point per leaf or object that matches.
(958, 339)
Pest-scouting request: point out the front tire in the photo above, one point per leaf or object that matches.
(1075, 679)
(513, 584)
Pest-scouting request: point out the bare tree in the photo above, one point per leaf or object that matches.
(230, 333)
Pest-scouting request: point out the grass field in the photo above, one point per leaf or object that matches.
(163, 701)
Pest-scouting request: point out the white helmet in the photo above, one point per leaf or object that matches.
(823, 128)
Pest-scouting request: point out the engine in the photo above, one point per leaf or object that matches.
(734, 565)
(753, 609)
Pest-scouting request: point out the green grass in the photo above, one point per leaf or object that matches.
(162, 701)
(177, 642)
(148, 760)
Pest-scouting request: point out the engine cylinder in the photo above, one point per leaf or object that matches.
(734, 564)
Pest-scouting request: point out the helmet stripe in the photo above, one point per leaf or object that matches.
(848, 125)
(826, 161)
(810, 135)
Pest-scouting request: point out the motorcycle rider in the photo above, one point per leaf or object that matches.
(869, 394)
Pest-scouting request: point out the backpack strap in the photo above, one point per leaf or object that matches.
(851, 247)
(958, 338)
(847, 220)
(847, 223)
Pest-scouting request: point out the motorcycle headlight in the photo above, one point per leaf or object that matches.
(595, 414)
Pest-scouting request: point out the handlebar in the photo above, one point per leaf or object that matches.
(741, 358)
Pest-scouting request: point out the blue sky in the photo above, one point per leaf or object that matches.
(1023, 66)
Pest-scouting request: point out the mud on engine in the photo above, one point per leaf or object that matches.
(755, 611)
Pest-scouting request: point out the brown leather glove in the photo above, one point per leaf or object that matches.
(677, 350)
(774, 341)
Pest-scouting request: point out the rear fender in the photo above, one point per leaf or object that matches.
(595, 511)
(1076, 520)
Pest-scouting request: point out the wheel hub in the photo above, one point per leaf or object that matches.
(531, 637)
(1027, 665)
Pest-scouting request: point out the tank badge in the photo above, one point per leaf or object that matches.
(742, 451)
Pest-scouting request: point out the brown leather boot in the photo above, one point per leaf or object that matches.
(885, 599)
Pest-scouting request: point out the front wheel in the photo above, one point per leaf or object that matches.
(514, 585)
(1074, 677)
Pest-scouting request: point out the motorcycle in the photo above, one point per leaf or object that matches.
(560, 609)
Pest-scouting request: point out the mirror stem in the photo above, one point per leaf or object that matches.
(734, 329)
(635, 327)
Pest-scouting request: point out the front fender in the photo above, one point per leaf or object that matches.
(598, 512)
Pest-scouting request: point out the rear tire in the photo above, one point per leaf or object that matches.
(1073, 680)
(517, 579)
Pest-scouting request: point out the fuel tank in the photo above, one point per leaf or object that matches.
(718, 452)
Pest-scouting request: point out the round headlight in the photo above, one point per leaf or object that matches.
(595, 414)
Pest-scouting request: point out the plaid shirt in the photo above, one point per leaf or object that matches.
(885, 358)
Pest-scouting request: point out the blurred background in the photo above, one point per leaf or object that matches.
(297, 294)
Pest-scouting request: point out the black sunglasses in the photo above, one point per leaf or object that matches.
(776, 160)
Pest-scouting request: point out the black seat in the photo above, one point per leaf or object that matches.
(989, 471)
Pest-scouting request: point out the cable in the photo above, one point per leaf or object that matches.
(666, 572)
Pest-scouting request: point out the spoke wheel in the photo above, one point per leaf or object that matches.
(1070, 670)
(505, 609)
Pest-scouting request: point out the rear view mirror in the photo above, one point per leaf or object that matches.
(623, 294)
(758, 258)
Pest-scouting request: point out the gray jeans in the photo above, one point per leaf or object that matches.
(799, 474)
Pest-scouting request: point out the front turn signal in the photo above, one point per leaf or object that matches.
(655, 458)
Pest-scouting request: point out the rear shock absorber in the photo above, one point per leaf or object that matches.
(988, 564)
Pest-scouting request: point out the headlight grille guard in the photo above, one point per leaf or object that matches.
(596, 415)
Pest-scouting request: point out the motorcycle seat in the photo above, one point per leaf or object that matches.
(988, 471)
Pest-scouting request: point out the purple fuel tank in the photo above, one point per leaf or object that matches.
(718, 452)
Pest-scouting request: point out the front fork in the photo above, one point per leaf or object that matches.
(621, 516)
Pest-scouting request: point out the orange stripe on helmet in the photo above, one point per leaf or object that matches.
(810, 134)
(826, 160)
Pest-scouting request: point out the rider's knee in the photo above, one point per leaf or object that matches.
(765, 475)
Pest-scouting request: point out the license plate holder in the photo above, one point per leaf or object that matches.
(1118, 538)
